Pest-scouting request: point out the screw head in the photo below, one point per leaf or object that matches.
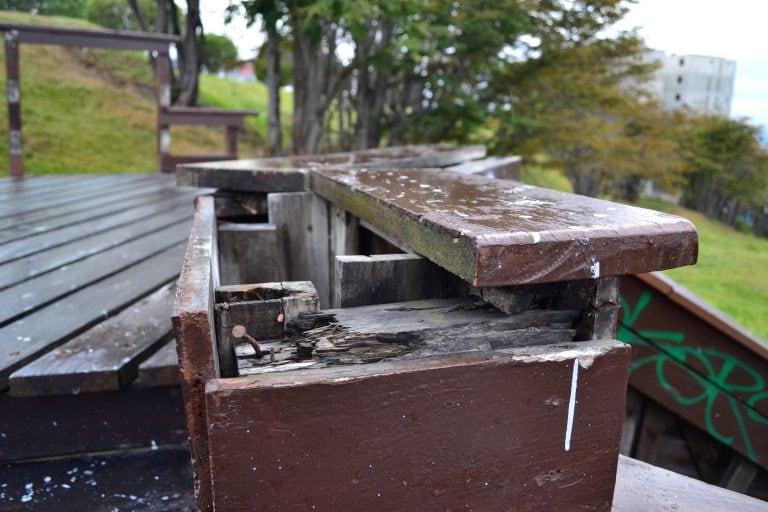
(238, 331)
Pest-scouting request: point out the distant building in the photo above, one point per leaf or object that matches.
(702, 83)
(242, 72)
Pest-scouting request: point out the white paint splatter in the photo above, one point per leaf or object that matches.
(594, 269)
(536, 237)
(572, 405)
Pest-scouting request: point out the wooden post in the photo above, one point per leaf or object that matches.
(13, 88)
(163, 78)
(231, 139)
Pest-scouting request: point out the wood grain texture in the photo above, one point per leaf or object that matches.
(248, 253)
(160, 369)
(290, 174)
(334, 438)
(105, 357)
(195, 337)
(499, 233)
(28, 338)
(302, 222)
(383, 278)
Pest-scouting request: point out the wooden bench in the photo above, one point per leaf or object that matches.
(231, 120)
(487, 377)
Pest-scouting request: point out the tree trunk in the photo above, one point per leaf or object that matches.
(274, 129)
(189, 66)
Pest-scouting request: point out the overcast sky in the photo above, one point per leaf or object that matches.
(734, 30)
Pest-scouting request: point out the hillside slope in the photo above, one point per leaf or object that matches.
(93, 111)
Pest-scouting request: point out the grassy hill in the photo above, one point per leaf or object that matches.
(93, 111)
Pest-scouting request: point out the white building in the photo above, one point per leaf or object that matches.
(702, 83)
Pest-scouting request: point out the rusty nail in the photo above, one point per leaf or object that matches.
(239, 331)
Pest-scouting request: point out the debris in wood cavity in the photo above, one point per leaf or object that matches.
(405, 331)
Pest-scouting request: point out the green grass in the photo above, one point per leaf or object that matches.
(94, 111)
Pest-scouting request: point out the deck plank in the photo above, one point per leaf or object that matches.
(21, 270)
(29, 201)
(501, 233)
(161, 368)
(16, 249)
(105, 357)
(35, 293)
(49, 327)
(107, 197)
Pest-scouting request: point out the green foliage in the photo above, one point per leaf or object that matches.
(219, 53)
(117, 14)
(71, 8)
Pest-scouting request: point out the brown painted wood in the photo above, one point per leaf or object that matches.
(80, 37)
(26, 339)
(642, 487)
(105, 357)
(49, 426)
(248, 253)
(160, 369)
(499, 233)
(499, 167)
(195, 336)
(701, 370)
(13, 98)
(334, 438)
(204, 116)
(288, 174)
(379, 279)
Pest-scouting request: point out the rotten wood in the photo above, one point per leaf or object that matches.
(500, 233)
(290, 174)
(248, 253)
(383, 278)
(262, 310)
(474, 440)
(105, 357)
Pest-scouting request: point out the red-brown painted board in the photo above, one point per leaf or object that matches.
(195, 339)
(289, 174)
(498, 232)
(695, 370)
(460, 432)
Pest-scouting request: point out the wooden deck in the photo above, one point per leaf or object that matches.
(87, 277)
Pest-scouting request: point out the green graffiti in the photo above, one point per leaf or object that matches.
(713, 383)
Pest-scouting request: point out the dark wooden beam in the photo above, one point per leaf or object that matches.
(13, 91)
(110, 39)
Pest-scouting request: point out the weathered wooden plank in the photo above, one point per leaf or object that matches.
(50, 182)
(27, 338)
(474, 440)
(262, 309)
(248, 253)
(195, 338)
(29, 229)
(301, 219)
(499, 167)
(160, 369)
(289, 174)
(21, 270)
(35, 293)
(642, 487)
(499, 233)
(69, 193)
(107, 197)
(19, 248)
(379, 279)
(22, 194)
(343, 239)
(103, 358)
